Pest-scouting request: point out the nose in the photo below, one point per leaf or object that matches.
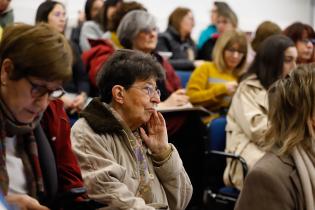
(155, 99)
(42, 101)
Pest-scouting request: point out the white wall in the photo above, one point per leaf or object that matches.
(250, 12)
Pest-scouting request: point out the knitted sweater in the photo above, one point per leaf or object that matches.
(206, 87)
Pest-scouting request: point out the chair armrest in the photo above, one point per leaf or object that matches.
(230, 155)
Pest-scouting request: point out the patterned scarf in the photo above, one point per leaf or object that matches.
(144, 189)
(26, 150)
(305, 164)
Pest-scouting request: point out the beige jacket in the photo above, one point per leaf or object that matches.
(246, 126)
(109, 169)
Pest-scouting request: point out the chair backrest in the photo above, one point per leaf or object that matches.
(184, 76)
(217, 134)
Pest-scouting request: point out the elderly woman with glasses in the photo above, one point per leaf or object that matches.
(138, 31)
(36, 160)
(121, 140)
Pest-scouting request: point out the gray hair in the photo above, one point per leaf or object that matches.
(133, 23)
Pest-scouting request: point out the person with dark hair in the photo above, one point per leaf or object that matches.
(91, 12)
(121, 141)
(207, 33)
(177, 40)
(6, 13)
(103, 48)
(92, 9)
(138, 31)
(95, 29)
(284, 177)
(53, 13)
(303, 36)
(226, 21)
(247, 116)
(36, 157)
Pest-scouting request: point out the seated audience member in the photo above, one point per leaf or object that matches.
(284, 177)
(95, 29)
(208, 32)
(177, 40)
(263, 31)
(91, 12)
(227, 21)
(303, 36)
(35, 165)
(6, 13)
(212, 28)
(213, 83)
(138, 31)
(53, 13)
(103, 48)
(247, 116)
(121, 141)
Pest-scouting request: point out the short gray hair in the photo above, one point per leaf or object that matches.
(133, 23)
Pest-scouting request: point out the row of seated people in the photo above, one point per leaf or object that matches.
(223, 74)
(120, 141)
(229, 86)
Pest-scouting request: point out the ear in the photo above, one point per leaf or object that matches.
(118, 93)
(6, 68)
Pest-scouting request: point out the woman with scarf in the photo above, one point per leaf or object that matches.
(121, 140)
(34, 130)
(138, 31)
(284, 177)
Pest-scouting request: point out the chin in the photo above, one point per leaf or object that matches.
(26, 119)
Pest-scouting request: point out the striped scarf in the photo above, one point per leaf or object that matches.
(26, 150)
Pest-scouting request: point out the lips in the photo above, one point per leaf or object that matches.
(150, 110)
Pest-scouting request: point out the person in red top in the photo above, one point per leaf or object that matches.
(37, 166)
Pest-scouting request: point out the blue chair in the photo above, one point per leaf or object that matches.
(184, 76)
(216, 195)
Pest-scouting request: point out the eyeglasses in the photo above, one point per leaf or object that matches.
(306, 41)
(40, 90)
(233, 50)
(150, 91)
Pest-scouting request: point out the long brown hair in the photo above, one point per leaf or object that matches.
(291, 110)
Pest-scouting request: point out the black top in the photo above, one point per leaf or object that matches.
(169, 41)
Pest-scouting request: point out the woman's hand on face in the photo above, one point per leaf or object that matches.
(25, 202)
(156, 137)
(177, 98)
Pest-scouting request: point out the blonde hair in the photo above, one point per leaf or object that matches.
(291, 109)
(226, 40)
(38, 51)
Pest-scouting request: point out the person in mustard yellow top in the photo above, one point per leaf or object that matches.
(212, 84)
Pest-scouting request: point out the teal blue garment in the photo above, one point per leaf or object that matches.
(206, 34)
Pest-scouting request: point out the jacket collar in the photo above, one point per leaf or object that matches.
(100, 118)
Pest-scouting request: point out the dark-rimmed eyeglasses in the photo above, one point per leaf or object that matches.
(233, 50)
(40, 90)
